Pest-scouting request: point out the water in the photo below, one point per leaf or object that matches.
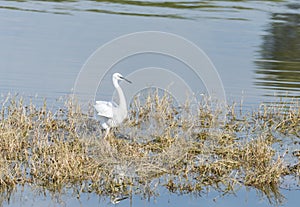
(254, 45)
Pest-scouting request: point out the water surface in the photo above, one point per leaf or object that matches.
(255, 46)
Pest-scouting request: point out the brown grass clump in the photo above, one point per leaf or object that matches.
(179, 148)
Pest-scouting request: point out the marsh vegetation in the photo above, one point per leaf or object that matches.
(182, 149)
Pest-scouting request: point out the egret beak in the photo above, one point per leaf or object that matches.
(126, 79)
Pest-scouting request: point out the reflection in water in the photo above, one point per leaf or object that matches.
(279, 67)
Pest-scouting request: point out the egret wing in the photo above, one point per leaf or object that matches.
(104, 108)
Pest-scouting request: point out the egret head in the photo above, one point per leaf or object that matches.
(118, 76)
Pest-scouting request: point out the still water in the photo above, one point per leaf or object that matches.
(254, 45)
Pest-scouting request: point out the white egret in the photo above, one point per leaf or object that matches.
(113, 114)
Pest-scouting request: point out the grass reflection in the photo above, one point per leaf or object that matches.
(173, 16)
(31, 10)
(164, 9)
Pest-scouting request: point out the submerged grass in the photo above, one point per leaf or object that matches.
(179, 148)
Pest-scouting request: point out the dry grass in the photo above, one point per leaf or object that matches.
(178, 148)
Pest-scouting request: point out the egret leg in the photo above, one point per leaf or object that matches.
(107, 130)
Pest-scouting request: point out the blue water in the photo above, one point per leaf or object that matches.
(45, 44)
